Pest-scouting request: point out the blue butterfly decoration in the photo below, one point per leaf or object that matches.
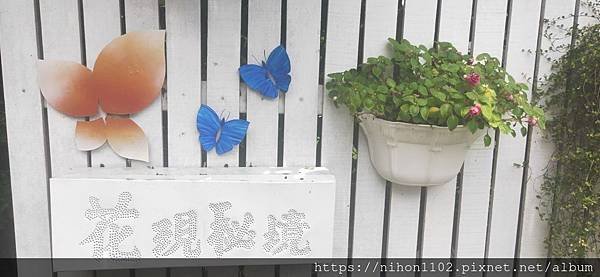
(271, 76)
(218, 133)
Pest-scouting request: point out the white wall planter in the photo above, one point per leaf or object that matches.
(413, 154)
(114, 218)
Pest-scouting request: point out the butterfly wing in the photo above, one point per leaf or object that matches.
(257, 78)
(278, 64)
(208, 124)
(232, 134)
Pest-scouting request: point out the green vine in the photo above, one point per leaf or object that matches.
(571, 191)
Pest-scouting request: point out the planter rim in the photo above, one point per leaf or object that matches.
(369, 116)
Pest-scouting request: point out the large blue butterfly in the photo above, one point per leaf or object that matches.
(271, 76)
(218, 133)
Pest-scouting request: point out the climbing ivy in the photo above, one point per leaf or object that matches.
(571, 191)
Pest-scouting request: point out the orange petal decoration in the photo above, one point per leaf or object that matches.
(90, 135)
(65, 85)
(130, 71)
(126, 138)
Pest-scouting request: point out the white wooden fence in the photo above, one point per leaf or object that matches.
(488, 211)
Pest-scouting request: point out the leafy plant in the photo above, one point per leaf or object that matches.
(436, 86)
(571, 191)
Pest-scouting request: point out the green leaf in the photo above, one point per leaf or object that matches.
(487, 140)
(523, 131)
(390, 82)
(445, 109)
(424, 112)
(439, 95)
(472, 125)
(414, 110)
(452, 122)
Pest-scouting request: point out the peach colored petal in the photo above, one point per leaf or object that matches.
(130, 71)
(66, 87)
(90, 135)
(126, 138)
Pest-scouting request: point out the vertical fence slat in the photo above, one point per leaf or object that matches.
(183, 81)
(112, 273)
(223, 86)
(222, 271)
(102, 25)
(520, 63)
(534, 228)
(455, 21)
(142, 15)
(380, 24)
(303, 41)
(60, 36)
(25, 134)
(488, 38)
(264, 28)
(61, 41)
(343, 22)
(419, 27)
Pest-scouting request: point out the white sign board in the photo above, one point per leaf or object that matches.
(166, 213)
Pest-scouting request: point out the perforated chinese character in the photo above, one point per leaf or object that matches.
(287, 234)
(228, 234)
(168, 242)
(107, 223)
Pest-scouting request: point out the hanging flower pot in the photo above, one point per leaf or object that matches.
(416, 154)
(422, 108)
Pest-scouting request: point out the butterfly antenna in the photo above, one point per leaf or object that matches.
(265, 54)
(256, 59)
(221, 115)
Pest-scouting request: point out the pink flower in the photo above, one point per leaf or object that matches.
(473, 78)
(510, 97)
(532, 121)
(475, 110)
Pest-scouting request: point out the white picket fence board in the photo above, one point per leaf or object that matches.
(184, 84)
(419, 28)
(455, 21)
(223, 87)
(302, 41)
(60, 36)
(25, 135)
(102, 25)
(488, 38)
(343, 22)
(523, 35)
(264, 34)
(541, 147)
(142, 15)
(60, 40)
(380, 19)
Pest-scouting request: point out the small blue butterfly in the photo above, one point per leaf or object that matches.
(271, 76)
(218, 133)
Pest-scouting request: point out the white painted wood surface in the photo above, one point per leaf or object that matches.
(25, 135)
(223, 87)
(343, 22)
(264, 34)
(511, 151)
(488, 38)
(183, 81)
(380, 25)
(142, 15)
(60, 39)
(102, 24)
(419, 28)
(302, 42)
